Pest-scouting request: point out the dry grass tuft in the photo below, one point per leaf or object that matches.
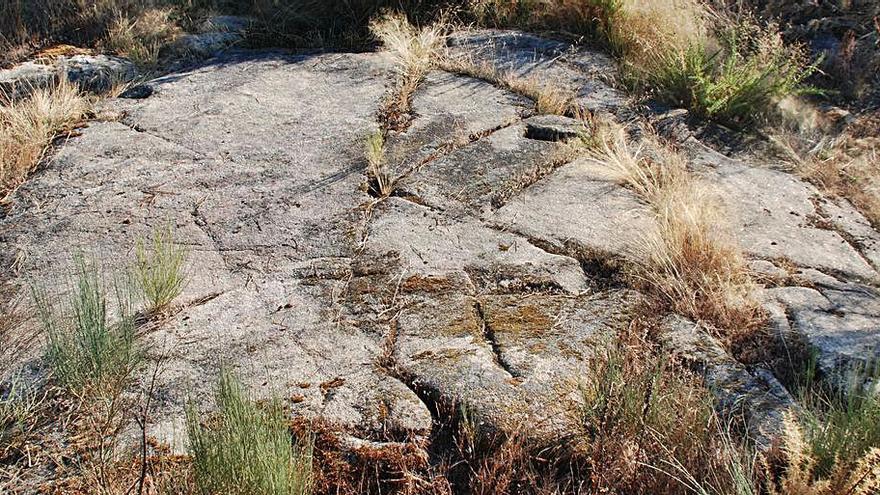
(20, 406)
(141, 38)
(689, 260)
(415, 52)
(28, 127)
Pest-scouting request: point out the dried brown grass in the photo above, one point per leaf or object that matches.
(846, 166)
(28, 127)
(415, 51)
(141, 37)
(649, 426)
(859, 478)
(548, 98)
(690, 260)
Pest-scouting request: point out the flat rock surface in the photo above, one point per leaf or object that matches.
(488, 279)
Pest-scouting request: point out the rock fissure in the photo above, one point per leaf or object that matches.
(489, 336)
(137, 128)
(451, 146)
(824, 221)
(523, 182)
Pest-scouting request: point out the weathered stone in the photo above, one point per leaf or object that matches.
(138, 92)
(511, 362)
(487, 279)
(21, 80)
(840, 319)
(553, 128)
(451, 110)
(430, 243)
(579, 208)
(483, 174)
(547, 62)
(215, 34)
(757, 396)
(95, 73)
(263, 211)
(775, 215)
(206, 44)
(225, 24)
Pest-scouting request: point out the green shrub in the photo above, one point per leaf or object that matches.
(247, 448)
(85, 348)
(734, 84)
(839, 425)
(159, 269)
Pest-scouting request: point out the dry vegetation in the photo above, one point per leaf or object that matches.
(28, 127)
(141, 38)
(647, 425)
(690, 260)
(415, 52)
(845, 166)
(548, 98)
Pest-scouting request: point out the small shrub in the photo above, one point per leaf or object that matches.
(857, 476)
(86, 350)
(735, 83)
(377, 169)
(839, 425)
(247, 449)
(28, 126)
(159, 269)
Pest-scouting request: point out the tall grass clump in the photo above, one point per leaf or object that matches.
(247, 448)
(689, 259)
(142, 37)
(87, 350)
(28, 126)
(650, 426)
(159, 269)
